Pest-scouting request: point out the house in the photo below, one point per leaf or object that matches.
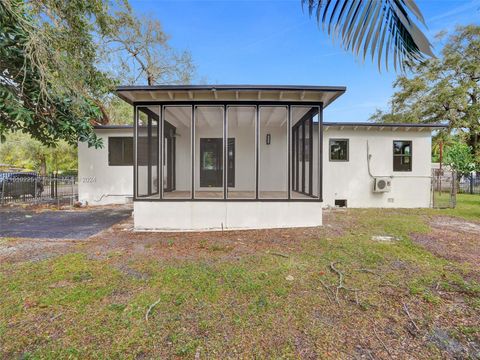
(235, 157)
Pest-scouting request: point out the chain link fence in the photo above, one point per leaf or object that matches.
(30, 188)
(470, 184)
(443, 189)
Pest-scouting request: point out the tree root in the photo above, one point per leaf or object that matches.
(405, 309)
(380, 340)
(150, 309)
(278, 254)
(341, 285)
(328, 291)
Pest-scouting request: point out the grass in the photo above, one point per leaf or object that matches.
(74, 307)
(468, 207)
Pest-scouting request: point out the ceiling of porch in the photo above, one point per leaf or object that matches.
(230, 93)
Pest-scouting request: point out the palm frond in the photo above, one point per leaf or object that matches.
(386, 27)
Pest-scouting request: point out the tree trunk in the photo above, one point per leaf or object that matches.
(150, 80)
(43, 167)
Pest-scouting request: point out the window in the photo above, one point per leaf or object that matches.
(402, 156)
(120, 151)
(338, 149)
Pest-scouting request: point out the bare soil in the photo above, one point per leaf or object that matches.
(453, 239)
(442, 322)
(121, 239)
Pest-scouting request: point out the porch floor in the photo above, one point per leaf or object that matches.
(209, 194)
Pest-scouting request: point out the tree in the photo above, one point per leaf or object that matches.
(444, 89)
(56, 58)
(50, 86)
(383, 27)
(138, 49)
(20, 150)
(459, 158)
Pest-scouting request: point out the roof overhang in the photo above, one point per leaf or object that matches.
(381, 127)
(336, 125)
(230, 93)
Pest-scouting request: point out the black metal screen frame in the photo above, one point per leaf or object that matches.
(257, 106)
(151, 115)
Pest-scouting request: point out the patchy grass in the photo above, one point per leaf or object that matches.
(244, 305)
(468, 207)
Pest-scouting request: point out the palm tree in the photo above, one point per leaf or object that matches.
(378, 26)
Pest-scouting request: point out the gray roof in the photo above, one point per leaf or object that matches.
(325, 123)
(231, 87)
(393, 125)
(230, 93)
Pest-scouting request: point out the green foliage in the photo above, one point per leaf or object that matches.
(56, 58)
(385, 28)
(119, 111)
(49, 83)
(20, 150)
(459, 158)
(443, 89)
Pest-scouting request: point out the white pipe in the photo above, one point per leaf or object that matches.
(369, 156)
(107, 195)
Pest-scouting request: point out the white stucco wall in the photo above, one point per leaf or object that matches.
(103, 184)
(218, 215)
(351, 180)
(98, 183)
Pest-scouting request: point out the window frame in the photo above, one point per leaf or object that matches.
(132, 162)
(330, 141)
(402, 156)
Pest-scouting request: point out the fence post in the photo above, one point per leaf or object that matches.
(72, 201)
(3, 190)
(35, 192)
(471, 183)
(453, 194)
(51, 186)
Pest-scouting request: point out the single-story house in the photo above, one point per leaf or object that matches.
(236, 157)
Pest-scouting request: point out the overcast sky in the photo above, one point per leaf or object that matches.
(275, 42)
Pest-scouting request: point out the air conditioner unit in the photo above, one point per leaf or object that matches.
(382, 184)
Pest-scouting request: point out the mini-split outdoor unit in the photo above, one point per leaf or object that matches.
(382, 184)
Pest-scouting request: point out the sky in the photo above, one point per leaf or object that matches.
(266, 42)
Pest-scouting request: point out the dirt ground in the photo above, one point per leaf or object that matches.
(120, 238)
(277, 291)
(453, 239)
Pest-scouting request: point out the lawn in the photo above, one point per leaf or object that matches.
(252, 294)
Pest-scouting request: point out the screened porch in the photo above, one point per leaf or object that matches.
(228, 152)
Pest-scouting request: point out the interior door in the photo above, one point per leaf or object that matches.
(211, 162)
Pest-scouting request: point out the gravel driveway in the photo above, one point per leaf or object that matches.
(59, 224)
